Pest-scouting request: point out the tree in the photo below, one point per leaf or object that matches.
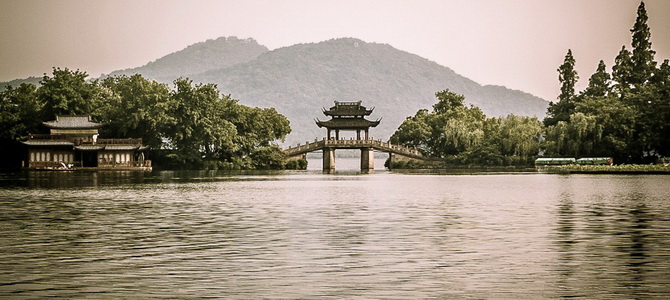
(519, 136)
(660, 90)
(575, 138)
(616, 121)
(19, 115)
(139, 108)
(414, 132)
(599, 83)
(622, 72)
(454, 127)
(19, 112)
(643, 64)
(447, 101)
(567, 76)
(68, 93)
(195, 130)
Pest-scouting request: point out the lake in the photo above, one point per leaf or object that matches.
(304, 234)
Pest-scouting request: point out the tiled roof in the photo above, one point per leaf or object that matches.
(72, 122)
(347, 109)
(89, 147)
(347, 123)
(45, 142)
(121, 147)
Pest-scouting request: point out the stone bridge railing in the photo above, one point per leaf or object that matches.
(353, 144)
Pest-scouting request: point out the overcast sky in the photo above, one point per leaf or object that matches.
(515, 43)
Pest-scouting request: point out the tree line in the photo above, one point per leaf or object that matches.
(464, 135)
(625, 115)
(189, 126)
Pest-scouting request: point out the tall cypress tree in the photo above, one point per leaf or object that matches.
(567, 76)
(622, 72)
(599, 82)
(643, 56)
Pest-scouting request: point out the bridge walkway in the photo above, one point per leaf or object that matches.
(354, 144)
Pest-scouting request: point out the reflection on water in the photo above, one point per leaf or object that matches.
(303, 234)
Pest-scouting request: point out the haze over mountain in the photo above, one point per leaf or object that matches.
(200, 57)
(301, 79)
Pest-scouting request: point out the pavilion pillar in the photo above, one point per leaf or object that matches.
(328, 160)
(366, 134)
(358, 134)
(367, 159)
(329, 133)
(337, 134)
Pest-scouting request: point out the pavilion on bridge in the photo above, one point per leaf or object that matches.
(348, 116)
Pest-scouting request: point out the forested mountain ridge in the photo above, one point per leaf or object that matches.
(17, 82)
(200, 57)
(300, 79)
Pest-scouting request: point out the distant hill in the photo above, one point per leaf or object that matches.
(299, 80)
(201, 57)
(17, 82)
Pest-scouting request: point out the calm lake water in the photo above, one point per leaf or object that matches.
(303, 234)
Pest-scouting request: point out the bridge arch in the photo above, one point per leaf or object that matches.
(367, 147)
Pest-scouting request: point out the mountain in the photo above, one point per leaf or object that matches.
(299, 80)
(201, 57)
(17, 82)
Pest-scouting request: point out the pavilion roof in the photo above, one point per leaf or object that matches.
(347, 123)
(45, 142)
(72, 122)
(347, 109)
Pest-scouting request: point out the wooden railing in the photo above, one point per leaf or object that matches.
(353, 144)
(128, 141)
(85, 140)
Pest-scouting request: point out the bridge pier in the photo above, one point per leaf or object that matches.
(367, 159)
(328, 160)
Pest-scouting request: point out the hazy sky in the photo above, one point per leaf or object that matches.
(516, 43)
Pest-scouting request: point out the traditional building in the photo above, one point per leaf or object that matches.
(347, 116)
(73, 143)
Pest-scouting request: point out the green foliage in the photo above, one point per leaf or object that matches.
(599, 83)
(626, 116)
(567, 76)
(298, 164)
(68, 92)
(643, 56)
(19, 111)
(139, 108)
(517, 136)
(195, 127)
(622, 72)
(271, 157)
(465, 136)
(190, 126)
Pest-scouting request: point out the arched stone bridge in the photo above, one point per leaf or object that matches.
(367, 146)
